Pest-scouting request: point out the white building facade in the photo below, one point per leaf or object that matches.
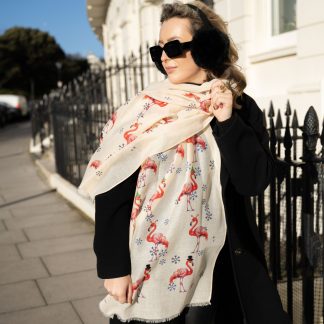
(279, 43)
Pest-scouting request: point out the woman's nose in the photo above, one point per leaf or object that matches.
(164, 56)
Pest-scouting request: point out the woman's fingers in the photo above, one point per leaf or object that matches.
(118, 288)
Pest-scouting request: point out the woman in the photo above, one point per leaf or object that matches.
(199, 138)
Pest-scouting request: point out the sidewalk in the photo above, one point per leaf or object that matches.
(47, 265)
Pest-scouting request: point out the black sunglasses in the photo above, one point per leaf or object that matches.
(172, 49)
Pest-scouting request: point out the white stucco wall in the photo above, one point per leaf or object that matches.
(289, 66)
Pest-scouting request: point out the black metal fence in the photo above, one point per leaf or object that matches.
(290, 211)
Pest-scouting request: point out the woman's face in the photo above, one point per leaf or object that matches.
(182, 68)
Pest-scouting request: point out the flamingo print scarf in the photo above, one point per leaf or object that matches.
(177, 224)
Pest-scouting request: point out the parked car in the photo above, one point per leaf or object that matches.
(17, 104)
(4, 114)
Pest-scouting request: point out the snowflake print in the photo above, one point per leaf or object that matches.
(201, 252)
(203, 201)
(99, 149)
(199, 148)
(178, 170)
(121, 145)
(133, 148)
(214, 238)
(212, 164)
(162, 156)
(149, 217)
(162, 261)
(171, 168)
(172, 286)
(147, 105)
(188, 166)
(140, 115)
(153, 250)
(192, 105)
(107, 157)
(175, 259)
(167, 98)
(147, 208)
(121, 130)
(198, 171)
(163, 252)
(209, 215)
(138, 241)
(99, 173)
(193, 195)
(204, 187)
(166, 221)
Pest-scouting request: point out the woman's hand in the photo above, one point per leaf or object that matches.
(221, 101)
(120, 288)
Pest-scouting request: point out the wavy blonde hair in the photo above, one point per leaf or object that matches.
(232, 71)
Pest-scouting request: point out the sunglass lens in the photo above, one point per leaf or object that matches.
(156, 52)
(173, 48)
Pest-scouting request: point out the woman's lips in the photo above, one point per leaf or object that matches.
(169, 69)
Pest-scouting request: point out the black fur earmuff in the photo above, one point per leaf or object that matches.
(209, 47)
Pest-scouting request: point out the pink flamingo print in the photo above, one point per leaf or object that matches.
(196, 140)
(155, 101)
(137, 286)
(192, 95)
(136, 208)
(165, 120)
(182, 272)
(188, 188)
(130, 137)
(198, 232)
(157, 195)
(148, 164)
(180, 150)
(203, 104)
(156, 238)
(95, 164)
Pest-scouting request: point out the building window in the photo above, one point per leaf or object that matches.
(283, 16)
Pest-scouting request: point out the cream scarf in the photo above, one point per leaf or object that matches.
(177, 225)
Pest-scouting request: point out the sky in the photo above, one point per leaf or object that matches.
(65, 20)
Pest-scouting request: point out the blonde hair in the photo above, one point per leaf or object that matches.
(232, 72)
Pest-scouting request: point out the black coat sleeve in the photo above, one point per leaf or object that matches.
(243, 142)
(112, 218)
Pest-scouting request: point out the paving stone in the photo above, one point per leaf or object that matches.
(4, 213)
(71, 286)
(39, 220)
(2, 227)
(59, 230)
(62, 313)
(14, 194)
(70, 262)
(40, 209)
(21, 295)
(19, 270)
(56, 245)
(88, 310)
(8, 253)
(49, 198)
(11, 237)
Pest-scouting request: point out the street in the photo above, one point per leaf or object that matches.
(47, 265)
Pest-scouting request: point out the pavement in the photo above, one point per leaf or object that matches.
(47, 264)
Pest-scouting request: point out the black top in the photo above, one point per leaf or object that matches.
(112, 219)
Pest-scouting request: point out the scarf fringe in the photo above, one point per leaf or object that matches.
(166, 319)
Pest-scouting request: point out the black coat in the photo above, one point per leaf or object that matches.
(243, 284)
